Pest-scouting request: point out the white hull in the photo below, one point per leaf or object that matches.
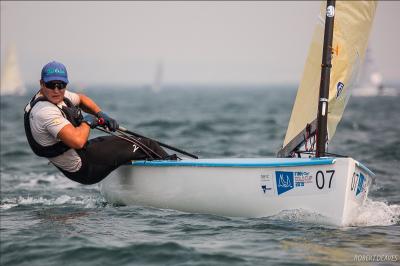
(244, 187)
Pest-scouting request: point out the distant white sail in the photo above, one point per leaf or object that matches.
(353, 21)
(370, 82)
(11, 81)
(157, 83)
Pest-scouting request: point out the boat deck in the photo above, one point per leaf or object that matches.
(239, 162)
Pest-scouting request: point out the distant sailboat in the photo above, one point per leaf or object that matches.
(11, 81)
(370, 83)
(157, 83)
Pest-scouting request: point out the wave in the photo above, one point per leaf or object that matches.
(301, 216)
(162, 124)
(377, 213)
(87, 202)
(16, 153)
(145, 253)
(371, 213)
(34, 180)
(40, 181)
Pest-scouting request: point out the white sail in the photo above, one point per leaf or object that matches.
(11, 81)
(353, 21)
(157, 83)
(370, 82)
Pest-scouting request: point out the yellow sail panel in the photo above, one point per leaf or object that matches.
(353, 21)
(306, 104)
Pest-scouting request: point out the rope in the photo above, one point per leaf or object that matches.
(132, 141)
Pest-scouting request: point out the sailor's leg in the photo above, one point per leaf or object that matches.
(102, 155)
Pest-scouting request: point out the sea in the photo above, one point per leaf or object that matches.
(46, 219)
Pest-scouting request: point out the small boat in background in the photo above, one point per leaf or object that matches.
(371, 83)
(11, 81)
(156, 87)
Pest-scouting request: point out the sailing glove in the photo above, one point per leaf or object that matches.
(91, 120)
(111, 123)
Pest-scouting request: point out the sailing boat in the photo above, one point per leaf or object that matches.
(156, 86)
(333, 187)
(371, 81)
(11, 81)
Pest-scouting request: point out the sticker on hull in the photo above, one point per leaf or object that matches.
(267, 185)
(284, 181)
(360, 186)
(304, 182)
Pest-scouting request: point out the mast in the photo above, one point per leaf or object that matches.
(322, 116)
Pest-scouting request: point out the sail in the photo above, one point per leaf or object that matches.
(11, 81)
(157, 83)
(353, 22)
(369, 74)
(371, 83)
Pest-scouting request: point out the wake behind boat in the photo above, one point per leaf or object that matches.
(333, 187)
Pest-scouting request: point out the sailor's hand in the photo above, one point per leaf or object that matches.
(111, 123)
(91, 120)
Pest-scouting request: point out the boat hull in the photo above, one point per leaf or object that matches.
(331, 187)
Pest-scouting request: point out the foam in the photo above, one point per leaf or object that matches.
(87, 202)
(301, 216)
(371, 213)
(376, 213)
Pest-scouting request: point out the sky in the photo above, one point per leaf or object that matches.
(221, 42)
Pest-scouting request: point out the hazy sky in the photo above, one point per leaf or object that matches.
(198, 42)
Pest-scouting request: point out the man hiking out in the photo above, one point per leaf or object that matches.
(55, 129)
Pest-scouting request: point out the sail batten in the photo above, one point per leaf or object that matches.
(353, 22)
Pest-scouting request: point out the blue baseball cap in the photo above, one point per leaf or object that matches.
(54, 71)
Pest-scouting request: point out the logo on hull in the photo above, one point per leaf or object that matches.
(360, 186)
(284, 181)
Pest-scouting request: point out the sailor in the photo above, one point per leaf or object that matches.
(56, 129)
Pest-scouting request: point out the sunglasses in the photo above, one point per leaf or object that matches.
(53, 85)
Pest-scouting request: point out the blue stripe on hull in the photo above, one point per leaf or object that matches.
(363, 167)
(241, 162)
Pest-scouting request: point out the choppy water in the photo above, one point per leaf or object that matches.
(48, 220)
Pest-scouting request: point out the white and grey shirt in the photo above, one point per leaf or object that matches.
(46, 121)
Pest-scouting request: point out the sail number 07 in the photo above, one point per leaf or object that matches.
(320, 178)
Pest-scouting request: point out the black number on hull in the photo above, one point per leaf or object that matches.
(332, 172)
(354, 181)
(320, 178)
(320, 173)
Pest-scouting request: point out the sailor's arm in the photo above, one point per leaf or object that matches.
(74, 137)
(51, 119)
(88, 105)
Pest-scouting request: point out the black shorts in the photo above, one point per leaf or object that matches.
(104, 154)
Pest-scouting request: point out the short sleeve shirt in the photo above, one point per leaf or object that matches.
(46, 121)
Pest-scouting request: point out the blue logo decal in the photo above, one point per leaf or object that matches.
(339, 89)
(360, 184)
(284, 181)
